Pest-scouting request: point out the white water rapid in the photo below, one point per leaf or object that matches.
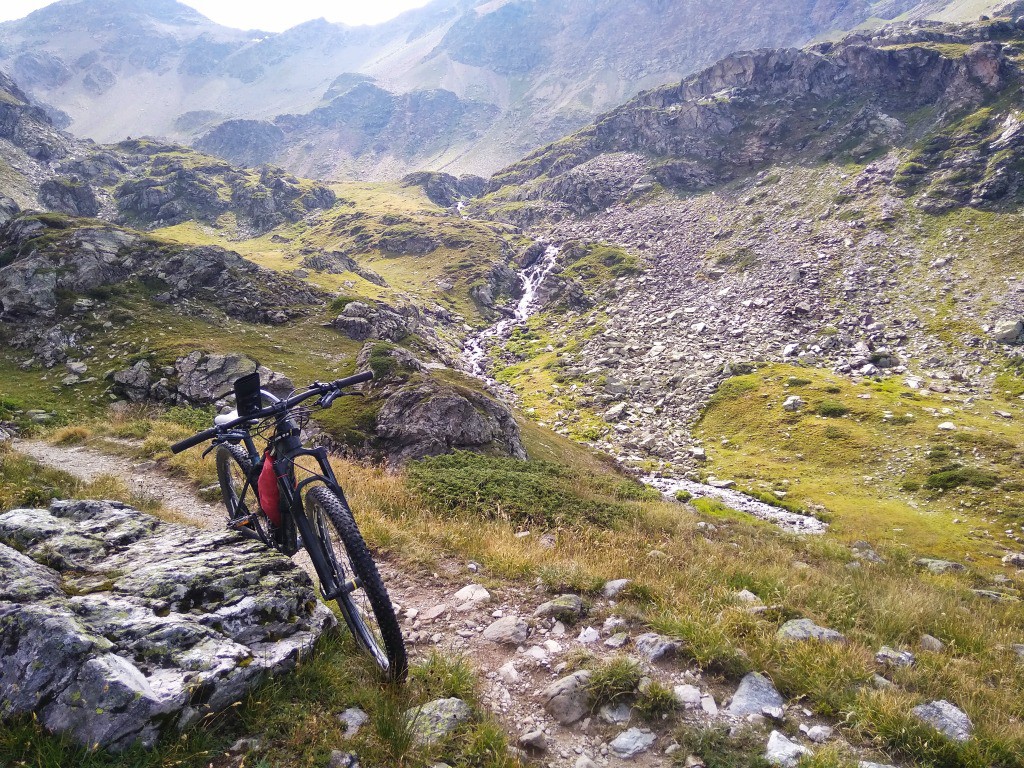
(474, 356)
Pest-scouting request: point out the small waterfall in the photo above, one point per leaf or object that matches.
(474, 355)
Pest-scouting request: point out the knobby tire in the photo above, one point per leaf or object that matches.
(385, 644)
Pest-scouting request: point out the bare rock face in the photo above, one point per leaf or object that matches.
(69, 195)
(115, 625)
(196, 379)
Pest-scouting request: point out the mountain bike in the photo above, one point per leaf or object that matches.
(274, 498)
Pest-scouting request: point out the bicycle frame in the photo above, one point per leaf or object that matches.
(286, 447)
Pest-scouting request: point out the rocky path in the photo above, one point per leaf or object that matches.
(521, 643)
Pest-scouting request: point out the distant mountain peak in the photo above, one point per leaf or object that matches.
(163, 11)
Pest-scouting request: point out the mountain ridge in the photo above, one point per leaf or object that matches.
(547, 68)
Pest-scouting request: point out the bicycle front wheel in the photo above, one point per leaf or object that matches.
(365, 603)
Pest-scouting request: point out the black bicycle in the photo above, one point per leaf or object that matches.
(267, 500)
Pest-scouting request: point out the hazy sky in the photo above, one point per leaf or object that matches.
(270, 15)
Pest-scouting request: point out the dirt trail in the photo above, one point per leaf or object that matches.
(144, 478)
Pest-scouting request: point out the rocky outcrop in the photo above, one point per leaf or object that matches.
(278, 197)
(444, 189)
(772, 106)
(423, 416)
(362, 128)
(69, 195)
(27, 126)
(246, 143)
(117, 626)
(195, 379)
(169, 186)
(360, 322)
(54, 255)
(336, 263)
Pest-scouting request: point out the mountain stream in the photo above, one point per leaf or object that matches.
(475, 362)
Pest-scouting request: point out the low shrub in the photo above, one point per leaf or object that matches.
(531, 492)
(830, 409)
(954, 475)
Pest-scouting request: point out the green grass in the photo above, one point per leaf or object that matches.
(613, 681)
(857, 458)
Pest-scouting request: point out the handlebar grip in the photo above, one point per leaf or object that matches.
(188, 442)
(358, 378)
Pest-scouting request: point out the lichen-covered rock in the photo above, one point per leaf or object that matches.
(115, 625)
(563, 608)
(361, 321)
(951, 721)
(436, 719)
(430, 418)
(805, 629)
(655, 647)
(198, 379)
(204, 378)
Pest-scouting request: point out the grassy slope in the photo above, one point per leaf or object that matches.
(687, 591)
(364, 212)
(866, 467)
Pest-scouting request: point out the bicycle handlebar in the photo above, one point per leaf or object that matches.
(272, 410)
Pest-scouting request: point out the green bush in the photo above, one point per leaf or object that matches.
(830, 409)
(531, 492)
(683, 496)
(954, 475)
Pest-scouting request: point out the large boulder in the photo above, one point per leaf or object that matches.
(432, 417)
(115, 625)
(204, 378)
(1009, 331)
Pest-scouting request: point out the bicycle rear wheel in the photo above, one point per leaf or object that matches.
(233, 470)
(366, 608)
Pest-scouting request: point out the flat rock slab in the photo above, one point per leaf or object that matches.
(946, 718)
(115, 625)
(631, 743)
